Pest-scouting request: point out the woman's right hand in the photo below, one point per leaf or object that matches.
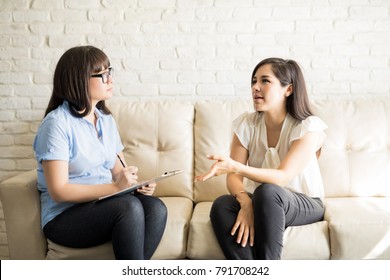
(127, 177)
(244, 225)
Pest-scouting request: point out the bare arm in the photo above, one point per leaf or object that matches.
(244, 225)
(297, 158)
(239, 154)
(56, 175)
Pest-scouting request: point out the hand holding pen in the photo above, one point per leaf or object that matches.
(127, 176)
(146, 190)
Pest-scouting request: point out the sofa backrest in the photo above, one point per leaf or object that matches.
(213, 135)
(158, 137)
(165, 135)
(355, 159)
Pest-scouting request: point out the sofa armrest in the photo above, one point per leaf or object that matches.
(22, 216)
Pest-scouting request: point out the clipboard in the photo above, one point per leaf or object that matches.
(145, 183)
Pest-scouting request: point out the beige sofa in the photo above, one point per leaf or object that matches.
(167, 135)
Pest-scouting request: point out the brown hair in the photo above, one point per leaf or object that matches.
(289, 72)
(71, 79)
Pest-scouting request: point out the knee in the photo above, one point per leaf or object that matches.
(128, 205)
(266, 193)
(158, 208)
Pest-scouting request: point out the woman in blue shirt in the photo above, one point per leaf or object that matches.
(76, 148)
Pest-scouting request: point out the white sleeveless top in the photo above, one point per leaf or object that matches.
(251, 131)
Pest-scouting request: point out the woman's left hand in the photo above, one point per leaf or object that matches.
(147, 190)
(223, 165)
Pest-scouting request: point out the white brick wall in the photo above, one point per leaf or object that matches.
(183, 49)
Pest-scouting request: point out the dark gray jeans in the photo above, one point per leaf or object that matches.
(275, 208)
(134, 223)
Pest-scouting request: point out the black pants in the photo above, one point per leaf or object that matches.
(134, 224)
(275, 208)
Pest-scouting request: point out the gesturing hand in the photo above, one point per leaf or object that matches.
(222, 165)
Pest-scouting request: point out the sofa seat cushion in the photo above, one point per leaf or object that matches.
(202, 243)
(359, 227)
(308, 242)
(173, 245)
(179, 214)
(300, 242)
(59, 252)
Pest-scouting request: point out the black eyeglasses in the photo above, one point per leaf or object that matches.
(105, 76)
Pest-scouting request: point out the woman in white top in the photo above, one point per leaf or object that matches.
(276, 149)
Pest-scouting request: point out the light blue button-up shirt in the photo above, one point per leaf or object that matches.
(89, 151)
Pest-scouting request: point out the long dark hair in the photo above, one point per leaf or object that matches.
(71, 79)
(289, 72)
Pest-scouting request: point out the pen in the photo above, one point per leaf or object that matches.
(120, 160)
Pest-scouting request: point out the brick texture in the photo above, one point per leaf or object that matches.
(183, 49)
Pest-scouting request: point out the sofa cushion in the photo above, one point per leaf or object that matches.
(213, 135)
(359, 227)
(158, 137)
(22, 214)
(309, 242)
(172, 246)
(300, 242)
(202, 243)
(355, 156)
(58, 252)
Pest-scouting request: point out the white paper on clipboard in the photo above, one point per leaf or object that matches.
(145, 183)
